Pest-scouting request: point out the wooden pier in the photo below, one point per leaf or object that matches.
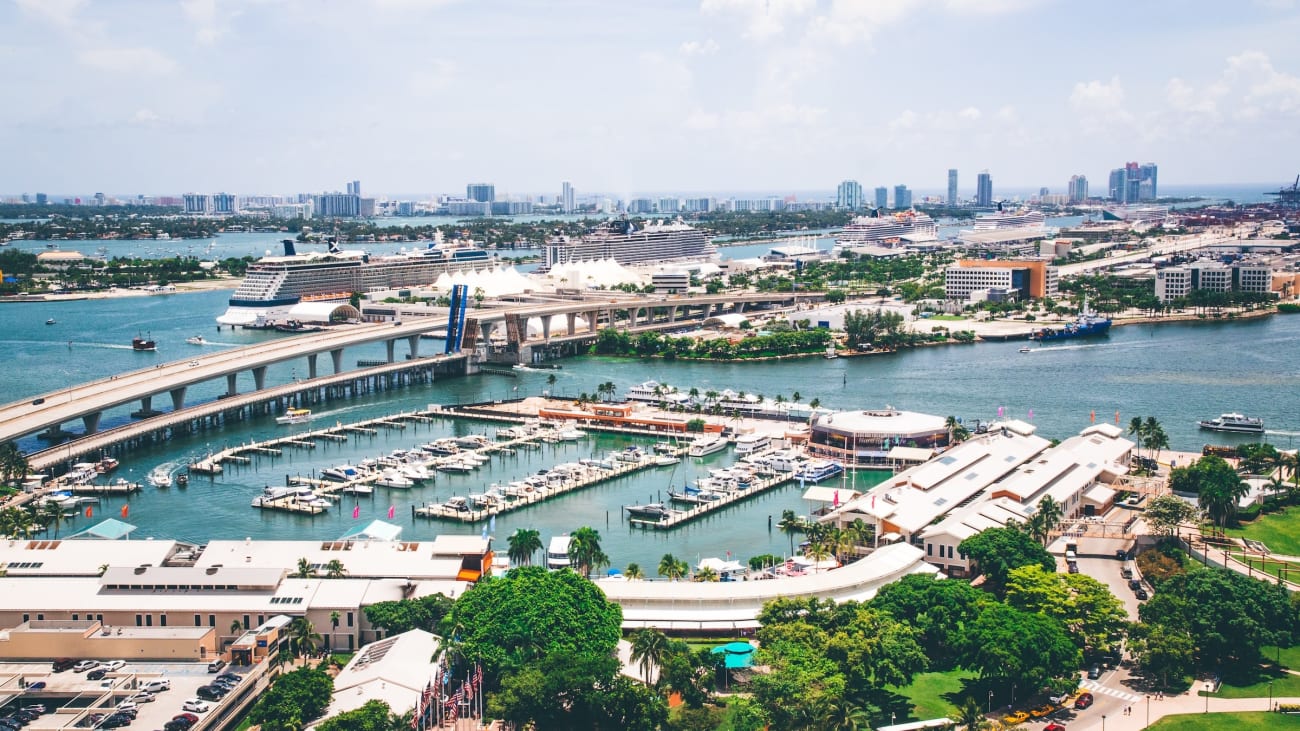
(112, 488)
(681, 517)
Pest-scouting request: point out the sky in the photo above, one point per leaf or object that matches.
(622, 96)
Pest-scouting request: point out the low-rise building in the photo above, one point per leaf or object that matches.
(865, 438)
(1180, 281)
(1019, 279)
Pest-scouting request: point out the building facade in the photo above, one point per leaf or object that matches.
(902, 197)
(984, 189)
(481, 192)
(567, 197)
(1078, 189)
(1028, 279)
(1180, 281)
(952, 186)
(849, 195)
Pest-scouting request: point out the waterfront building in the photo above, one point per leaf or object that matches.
(669, 205)
(1214, 276)
(984, 189)
(481, 192)
(1078, 188)
(699, 205)
(849, 195)
(567, 197)
(336, 205)
(865, 438)
(952, 187)
(882, 197)
(902, 197)
(1134, 183)
(198, 204)
(640, 205)
(1000, 279)
(224, 204)
(42, 199)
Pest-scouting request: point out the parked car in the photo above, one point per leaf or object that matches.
(114, 665)
(127, 705)
(1072, 567)
(175, 725)
(97, 674)
(143, 696)
(1141, 594)
(189, 718)
(211, 692)
(1083, 701)
(1053, 727)
(1134, 584)
(32, 687)
(37, 708)
(216, 665)
(117, 720)
(157, 685)
(1016, 718)
(196, 705)
(85, 665)
(63, 663)
(1046, 709)
(1126, 572)
(1094, 672)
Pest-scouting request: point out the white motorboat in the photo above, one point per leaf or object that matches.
(294, 416)
(456, 465)
(458, 504)
(569, 434)
(665, 460)
(341, 473)
(196, 340)
(755, 442)
(706, 444)
(1235, 423)
(160, 477)
(394, 479)
(473, 441)
(649, 511)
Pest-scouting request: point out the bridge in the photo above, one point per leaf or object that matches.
(88, 401)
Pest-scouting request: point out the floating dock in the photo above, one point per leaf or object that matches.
(681, 517)
(113, 488)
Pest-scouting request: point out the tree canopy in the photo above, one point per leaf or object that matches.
(996, 551)
(1022, 647)
(937, 608)
(1085, 607)
(293, 700)
(402, 615)
(373, 716)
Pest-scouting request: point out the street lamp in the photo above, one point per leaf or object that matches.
(1148, 723)
(1270, 695)
(1207, 696)
(1103, 723)
(891, 717)
(990, 701)
(1013, 694)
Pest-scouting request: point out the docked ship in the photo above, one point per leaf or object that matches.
(886, 230)
(625, 242)
(1235, 423)
(274, 284)
(1088, 323)
(1005, 220)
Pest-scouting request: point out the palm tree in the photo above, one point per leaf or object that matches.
(706, 573)
(649, 648)
(796, 397)
(305, 569)
(789, 525)
(1052, 514)
(51, 514)
(633, 572)
(844, 716)
(1154, 437)
(584, 550)
(970, 716)
(236, 627)
(334, 620)
(303, 637)
(671, 567)
(550, 382)
(524, 544)
(1135, 429)
(13, 464)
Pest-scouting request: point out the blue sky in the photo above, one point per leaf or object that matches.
(771, 96)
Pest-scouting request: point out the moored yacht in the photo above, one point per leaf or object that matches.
(1235, 423)
(651, 511)
(706, 444)
(755, 442)
(557, 553)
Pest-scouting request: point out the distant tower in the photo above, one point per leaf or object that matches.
(902, 197)
(984, 189)
(566, 197)
(882, 197)
(952, 186)
(354, 188)
(481, 192)
(1078, 188)
(849, 195)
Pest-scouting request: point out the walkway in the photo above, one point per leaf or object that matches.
(1172, 705)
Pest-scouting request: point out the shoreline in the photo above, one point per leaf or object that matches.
(203, 285)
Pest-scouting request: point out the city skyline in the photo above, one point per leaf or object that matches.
(691, 96)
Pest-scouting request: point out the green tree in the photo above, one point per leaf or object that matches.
(305, 569)
(524, 544)
(294, 700)
(335, 569)
(1162, 651)
(1020, 647)
(996, 551)
(1164, 513)
(13, 464)
(1218, 487)
(585, 553)
(938, 609)
(303, 638)
(789, 525)
(633, 572)
(649, 647)
(1086, 608)
(373, 716)
(672, 567)
(403, 615)
(971, 717)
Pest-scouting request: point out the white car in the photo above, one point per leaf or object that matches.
(157, 685)
(196, 705)
(114, 665)
(85, 665)
(128, 705)
(143, 696)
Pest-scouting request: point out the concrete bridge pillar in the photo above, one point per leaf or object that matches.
(336, 355)
(672, 314)
(740, 306)
(485, 331)
(230, 384)
(413, 342)
(391, 346)
(91, 421)
(546, 327)
(178, 398)
(593, 321)
(572, 319)
(146, 405)
(259, 378)
(311, 365)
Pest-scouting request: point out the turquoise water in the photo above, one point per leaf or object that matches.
(1178, 373)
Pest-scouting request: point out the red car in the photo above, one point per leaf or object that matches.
(1083, 701)
(1053, 727)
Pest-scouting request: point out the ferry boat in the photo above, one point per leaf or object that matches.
(650, 511)
(622, 241)
(1236, 423)
(196, 340)
(143, 344)
(557, 553)
(1088, 324)
(879, 230)
(706, 444)
(817, 470)
(747, 443)
(294, 416)
(273, 284)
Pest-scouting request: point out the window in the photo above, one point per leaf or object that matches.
(148, 620)
(40, 617)
(245, 621)
(212, 620)
(74, 617)
(929, 549)
(139, 620)
(98, 617)
(27, 617)
(198, 620)
(350, 624)
(162, 620)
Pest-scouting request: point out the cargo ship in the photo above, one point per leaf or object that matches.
(1088, 324)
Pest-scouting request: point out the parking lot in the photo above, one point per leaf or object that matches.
(70, 697)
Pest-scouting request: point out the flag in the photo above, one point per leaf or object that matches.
(90, 512)
(392, 510)
(356, 511)
(1116, 418)
(478, 675)
(1092, 416)
(836, 501)
(126, 510)
(1000, 412)
(1031, 414)
(492, 524)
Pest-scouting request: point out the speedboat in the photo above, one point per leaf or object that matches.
(196, 340)
(106, 465)
(570, 434)
(394, 479)
(473, 441)
(341, 473)
(1236, 423)
(160, 477)
(50, 321)
(1025, 349)
(294, 416)
(458, 504)
(653, 511)
(694, 496)
(456, 466)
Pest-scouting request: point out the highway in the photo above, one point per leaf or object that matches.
(1161, 248)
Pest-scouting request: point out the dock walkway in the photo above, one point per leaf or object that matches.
(680, 517)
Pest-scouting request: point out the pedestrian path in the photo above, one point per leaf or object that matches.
(1094, 687)
(1152, 710)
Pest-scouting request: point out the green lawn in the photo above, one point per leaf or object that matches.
(947, 318)
(1290, 656)
(1227, 722)
(1279, 531)
(1284, 685)
(934, 695)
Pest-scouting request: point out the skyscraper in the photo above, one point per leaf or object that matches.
(882, 197)
(481, 192)
(354, 188)
(1117, 190)
(1078, 188)
(952, 186)
(984, 189)
(1147, 182)
(1134, 183)
(849, 195)
(567, 197)
(902, 197)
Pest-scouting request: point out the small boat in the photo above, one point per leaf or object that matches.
(457, 504)
(570, 434)
(143, 344)
(665, 460)
(342, 473)
(1234, 423)
(359, 490)
(693, 496)
(196, 340)
(160, 477)
(652, 511)
(294, 416)
(1025, 349)
(182, 480)
(106, 465)
(830, 353)
(50, 321)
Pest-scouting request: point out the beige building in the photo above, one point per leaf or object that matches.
(91, 639)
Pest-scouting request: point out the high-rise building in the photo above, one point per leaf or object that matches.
(1078, 188)
(1147, 185)
(849, 195)
(669, 204)
(336, 205)
(354, 188)
(902, 197)
(1117, 190)
(1043, 192)
(198, 204)
(42, 199)
(481, 192)
(1134, 183)
(952, 186)
(882, 197)
(567, 197)
(984, 189)
(223, 203)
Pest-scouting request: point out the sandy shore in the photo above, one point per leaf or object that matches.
(205, 285)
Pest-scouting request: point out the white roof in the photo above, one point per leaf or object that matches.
(829, 494)
(78, 558)
(883, 421)
(394, 670)
(910, 454)
(319, 311)
(976, 517)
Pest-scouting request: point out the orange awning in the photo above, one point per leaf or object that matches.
(468, 575)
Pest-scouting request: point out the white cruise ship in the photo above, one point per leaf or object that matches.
(273, 284)
(623, 242)
(1003, 220)
(867, 230)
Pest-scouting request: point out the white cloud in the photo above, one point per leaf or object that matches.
(849, 21)
(699, 48)
(1097, 96)
(139, 60)
(145, 116)
(989, 7)
(434, 76)
(904, 121)
(1265, 88)
(702, 121)
(211, 22)
(59, 12)
(763, 19)
(971, 114)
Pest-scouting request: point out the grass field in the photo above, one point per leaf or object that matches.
(1284, 685)
(1279, 531)
(947, 318)
(1227, 722)
(934, 695)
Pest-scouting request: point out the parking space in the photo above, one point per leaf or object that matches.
(70, 698)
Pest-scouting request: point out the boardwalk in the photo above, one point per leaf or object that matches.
(681, 517)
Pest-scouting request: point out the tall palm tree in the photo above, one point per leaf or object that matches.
(789, 525)
(524, 544)
(971, 717)
(671, 567)
(1154, 437)
(844, 716)
(585, 553)
(334, 620)
(236, 627)
(633, 572)
(305, 569)
(303, 637)
(649, 648)
(1052, 513)
(335, 569)
(706, 574)
(51, 514)
(1135, 430)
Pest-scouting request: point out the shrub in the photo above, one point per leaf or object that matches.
(1160, 563)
